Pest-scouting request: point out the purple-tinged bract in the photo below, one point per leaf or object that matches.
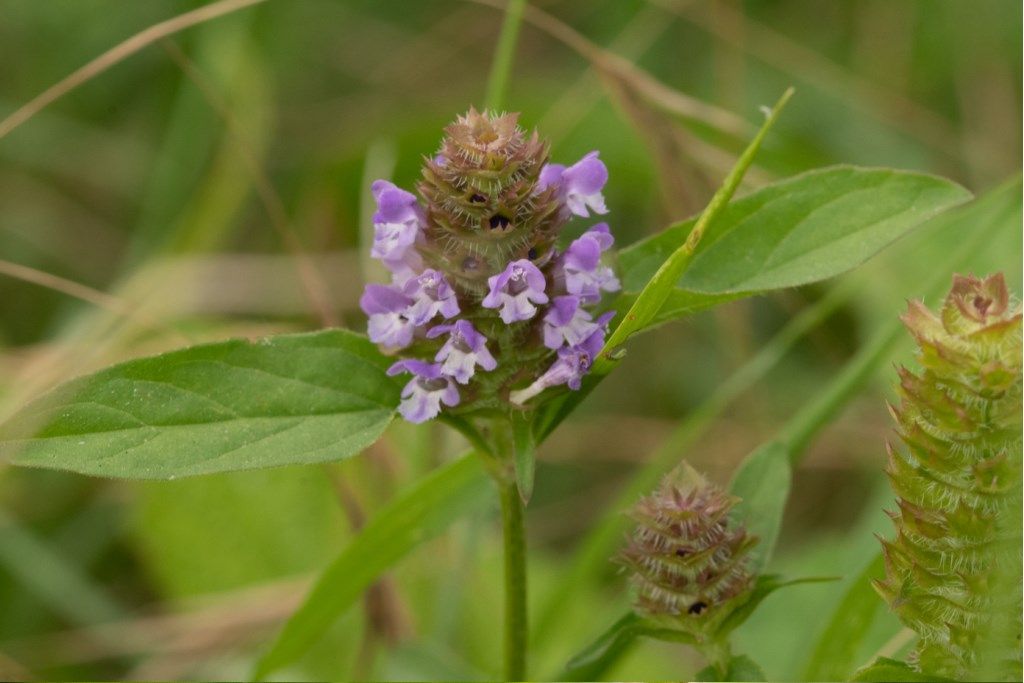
(689, 561)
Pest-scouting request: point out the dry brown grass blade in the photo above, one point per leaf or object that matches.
(684, 187)
(118, 53)
(312, 280)
(212, 625)
(614, 66)
(84, 293)
(579, 98)
(11, 670)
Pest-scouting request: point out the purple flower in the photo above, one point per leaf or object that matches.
(405, 268)
(515, 291)
(387, 309)
(465, 349)
(551, 174)
(397, 223)
(582, 183)
(569, 369)
(431, 294)
(566, 323)
(426, 391)
(585, 276)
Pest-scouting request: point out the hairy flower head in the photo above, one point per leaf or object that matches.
(487, 302)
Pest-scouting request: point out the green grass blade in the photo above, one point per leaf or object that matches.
(762, 483)
(420, 513)
(501, 67)
(835, 654)
(54, 580)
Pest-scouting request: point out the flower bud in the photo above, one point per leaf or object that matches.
(953, 572)
(689, 560)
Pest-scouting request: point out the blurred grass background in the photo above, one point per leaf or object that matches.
(215, 185)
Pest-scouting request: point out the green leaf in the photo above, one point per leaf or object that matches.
(835, 653)
(885, 669)
(418, 514)
(525, 450)
(608, 648)
(222, 532)
(678, 259)
(762, 483)
(741, 668)
(233, 405)
(807, 228)
(765, 586)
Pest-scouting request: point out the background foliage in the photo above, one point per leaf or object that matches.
(215, 185)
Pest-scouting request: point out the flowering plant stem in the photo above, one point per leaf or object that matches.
(515, 582)
(514, 536)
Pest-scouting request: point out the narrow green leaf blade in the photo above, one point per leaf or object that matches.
(525, 448)
(420, 513)
(601, 654)
(232, 405)
(834, 656)
(765, 586)
(678, 260)
(762, 483)
(598, 657)
(803, 229)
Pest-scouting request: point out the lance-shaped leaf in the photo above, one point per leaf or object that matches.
(803, 229)
(232, 405)
(832, 658)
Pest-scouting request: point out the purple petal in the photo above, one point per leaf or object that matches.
(562, 310)
(383, 299)
(415, 367)
(587, 176)
(551, 174)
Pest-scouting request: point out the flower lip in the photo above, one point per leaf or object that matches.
(515, 291)
(581, 264)
(431, 294)
(587, 176)
(377, 299)
(567, 323)
(463, 351)
(426, 391)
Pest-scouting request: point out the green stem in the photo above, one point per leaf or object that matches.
(497, 81)
(514, 537)
(515, 582)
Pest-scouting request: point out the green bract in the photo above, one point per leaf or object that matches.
(953, 572)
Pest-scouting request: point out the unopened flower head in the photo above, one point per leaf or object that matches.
(488, 302)
(689, 560)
